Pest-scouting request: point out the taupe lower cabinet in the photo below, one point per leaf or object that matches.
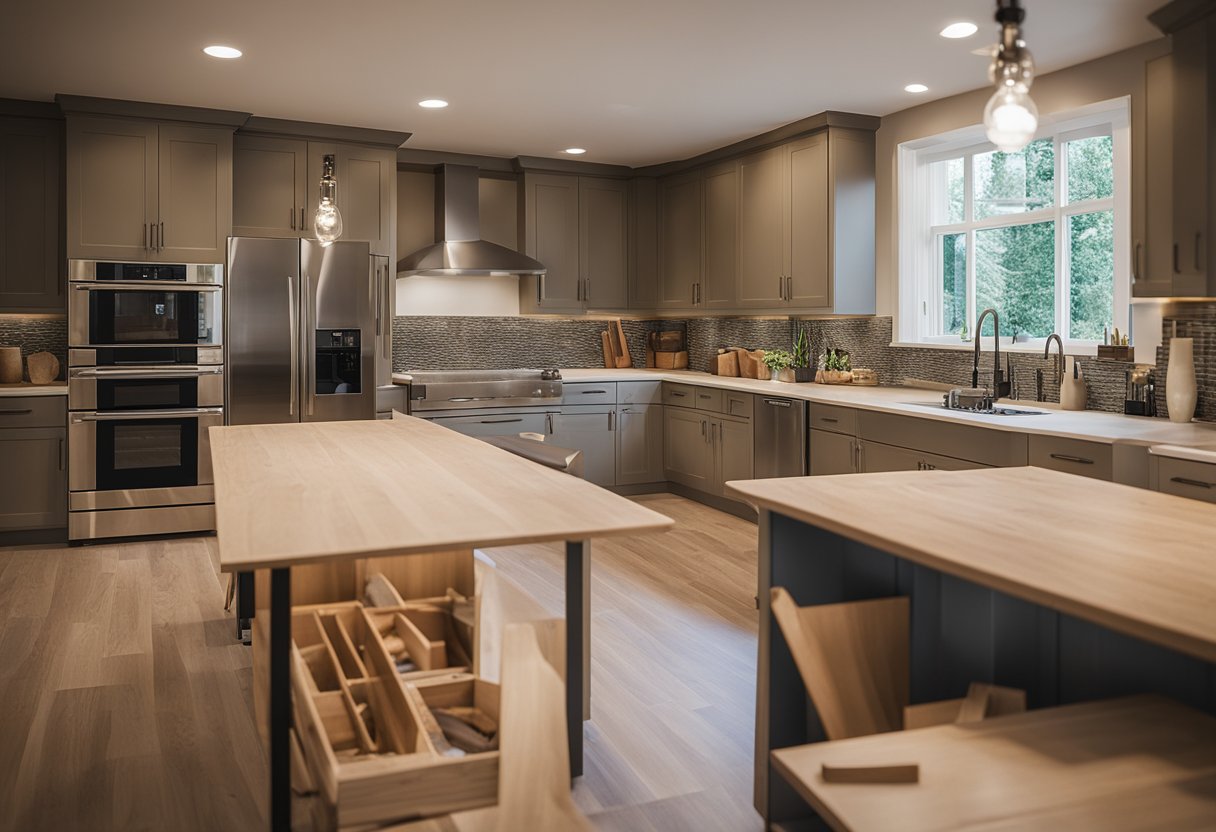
(32, 276)
(578, 226)
(704, 449)
(639, 444)
(592, 430)
(33, 435)
(832, 453)
(147, 190)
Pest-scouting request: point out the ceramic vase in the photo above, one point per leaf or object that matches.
(1180, 393)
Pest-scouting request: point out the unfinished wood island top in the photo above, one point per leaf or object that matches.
(307, 492)
(1121, 764)
(1136, 561)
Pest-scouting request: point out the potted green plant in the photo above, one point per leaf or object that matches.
(836, 368)
(779, 363)
(803, 371)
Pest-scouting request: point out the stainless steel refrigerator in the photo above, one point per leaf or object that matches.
(302, 323)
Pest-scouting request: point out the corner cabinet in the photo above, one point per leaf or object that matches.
(578, 226)
(146, 190)
(32, 274)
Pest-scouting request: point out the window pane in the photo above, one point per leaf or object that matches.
(946, 177)
(1091, 241)
(954, 282)
(1091, 168)
(1015, 275)
(1013, 183)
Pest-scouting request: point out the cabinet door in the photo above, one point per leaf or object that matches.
(590, 430)
(639, 444)
(31, 277)
(34, 493)
(721, 263)
(644, 244)
(269, 186)
(497, 424)
(195, 194)
(679, 240)
(1192, 132)
(112, 188)
(761, 230)
(877, 457)
(808, 224)
(603, 245)
(832, 453)
(551, 236)
(367, 192)
(687, 455)
(1153, 261)
(733, 452)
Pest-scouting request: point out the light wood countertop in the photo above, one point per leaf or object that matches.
(308, 492)
(1121, 764)
(1136, 561)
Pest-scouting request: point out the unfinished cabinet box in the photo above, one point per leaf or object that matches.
(32, 276)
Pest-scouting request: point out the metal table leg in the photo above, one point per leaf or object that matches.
(574, 654)
(280, 699)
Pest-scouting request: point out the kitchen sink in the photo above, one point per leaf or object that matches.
(996, 410)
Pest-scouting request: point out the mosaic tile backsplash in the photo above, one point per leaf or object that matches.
(510, 342)
(36, 335)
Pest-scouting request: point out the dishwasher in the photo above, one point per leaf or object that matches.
(779, 432)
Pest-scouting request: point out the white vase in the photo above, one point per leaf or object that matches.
(1180, 394)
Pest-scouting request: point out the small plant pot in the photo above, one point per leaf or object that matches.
(804, 374)
(786, 375)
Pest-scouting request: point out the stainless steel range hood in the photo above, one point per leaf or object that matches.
(460, 251)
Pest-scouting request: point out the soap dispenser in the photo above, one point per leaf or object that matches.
(1072, 386)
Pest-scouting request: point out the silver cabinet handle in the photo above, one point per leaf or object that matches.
(675, 394)
(500, 421)
(592, 392)
(303, 227)
(147, 238)
(160, 239)
(1070, 458)
(1177, 270)
(293, 346)
(122, 416)
(611, 420)
(380, 290)
(291, 218)
(829, 420)
(1136, 261)
(578, 289)
(16, 412)
(703, 436)
(61, 454)
(306, 300)
(587, 290)
(781, 287)
(789, 287)
(540, 287)
(548, 423)
(1195, 483)
(783, 403)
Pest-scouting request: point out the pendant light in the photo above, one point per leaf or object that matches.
(328, 220)
(1010, 116)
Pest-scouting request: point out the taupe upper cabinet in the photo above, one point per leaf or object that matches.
(269, 186)
(762, 233)
(808, 224)
(578, 226)
(720, 278)
(143, 190)
(367, 192)
(680, 242)
(32, 278)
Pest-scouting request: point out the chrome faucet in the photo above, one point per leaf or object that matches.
(1000, 387)
(1059, 363)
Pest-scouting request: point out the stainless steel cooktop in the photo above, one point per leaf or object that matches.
(459, 389)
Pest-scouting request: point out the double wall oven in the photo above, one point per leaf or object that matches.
(145, 383)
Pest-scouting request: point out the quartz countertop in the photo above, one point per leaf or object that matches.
(58, 388)
(1091, 425)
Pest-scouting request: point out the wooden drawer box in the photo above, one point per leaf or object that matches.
(370, 742)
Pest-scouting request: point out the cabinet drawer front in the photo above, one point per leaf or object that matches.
(33, 411)
(738, 404)
(835, 419)
(1187, 478)
(639, 392)
(680, 395)
(589, 393)
(708, 398)
(1003, 449)
(1072, 456)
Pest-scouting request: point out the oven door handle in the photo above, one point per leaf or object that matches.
(150, 372)
(116, 416)
(144, 285)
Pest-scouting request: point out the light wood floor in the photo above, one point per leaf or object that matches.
(125, 702)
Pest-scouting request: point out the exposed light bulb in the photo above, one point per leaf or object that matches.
(1011, 118)
(327, 223)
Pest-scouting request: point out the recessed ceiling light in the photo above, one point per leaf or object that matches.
(916, 88)
(222, 51)
(575, 151)
(962, 29)
(433, 103)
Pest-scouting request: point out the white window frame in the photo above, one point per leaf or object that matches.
(919, 311)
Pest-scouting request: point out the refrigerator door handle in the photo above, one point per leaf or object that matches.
(306, 299)
(293, 337)
(378, 293)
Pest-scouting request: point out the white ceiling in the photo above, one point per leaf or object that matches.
(633, 81)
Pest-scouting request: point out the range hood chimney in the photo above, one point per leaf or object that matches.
(459, 250)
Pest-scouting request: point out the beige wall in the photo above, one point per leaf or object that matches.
(1109, 77)
(416, 228)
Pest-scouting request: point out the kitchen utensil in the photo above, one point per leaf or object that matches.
(727, 364)
(43, 367)
(665, 360)
(624, 359)
(1140, 397)
(10, 365)
(609, 356)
